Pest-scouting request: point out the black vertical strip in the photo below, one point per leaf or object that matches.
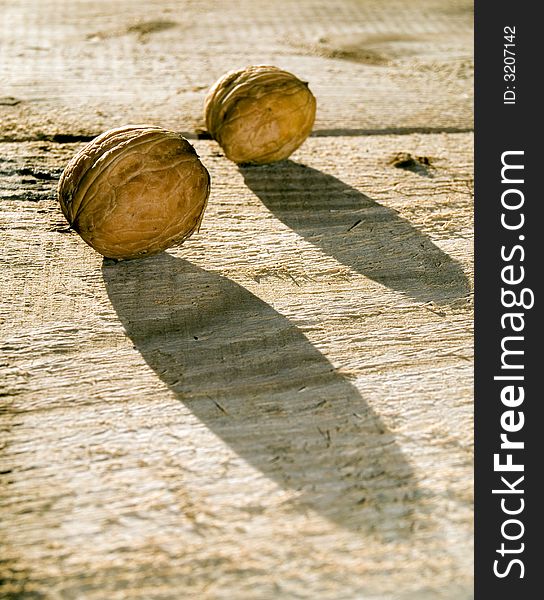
(508, 273)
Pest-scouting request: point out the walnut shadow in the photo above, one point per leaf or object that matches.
(253, 378)
(357, 231)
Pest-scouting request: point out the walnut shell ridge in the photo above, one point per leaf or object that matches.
(259, 114)
(134, 191)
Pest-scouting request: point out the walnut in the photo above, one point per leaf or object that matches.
(134, 191)
(259, 114)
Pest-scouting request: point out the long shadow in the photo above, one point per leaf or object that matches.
(253, 378)
(357, 231)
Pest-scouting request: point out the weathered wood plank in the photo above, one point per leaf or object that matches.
(281, 407)
(78, 68)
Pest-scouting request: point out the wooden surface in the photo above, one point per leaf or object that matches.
(79, 67)
(281, 407)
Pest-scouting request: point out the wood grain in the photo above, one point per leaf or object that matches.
(78, 68)
(281, 407)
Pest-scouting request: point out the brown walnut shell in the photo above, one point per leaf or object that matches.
(134, 191)
(259, 114)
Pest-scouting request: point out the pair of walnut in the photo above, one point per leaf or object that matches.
(137, 190)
